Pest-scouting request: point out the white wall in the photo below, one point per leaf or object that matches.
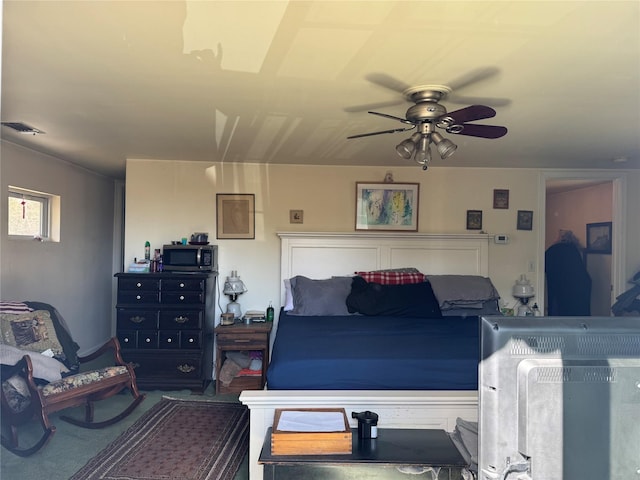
(170, 200)
(75, 275)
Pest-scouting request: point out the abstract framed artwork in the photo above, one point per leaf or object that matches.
(235, 215)
(599, 237)
(387, 206)
(474, 219)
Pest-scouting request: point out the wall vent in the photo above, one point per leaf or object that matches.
(22, 128)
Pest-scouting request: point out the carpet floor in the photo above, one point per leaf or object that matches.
(176, 440)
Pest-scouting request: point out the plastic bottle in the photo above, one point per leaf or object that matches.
(147, 251)
(270, 312)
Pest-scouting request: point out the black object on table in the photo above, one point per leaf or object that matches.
(393, 447)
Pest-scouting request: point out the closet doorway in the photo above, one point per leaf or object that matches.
(571, 201)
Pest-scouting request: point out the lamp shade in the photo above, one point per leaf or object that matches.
(233, 285)
(522, 288)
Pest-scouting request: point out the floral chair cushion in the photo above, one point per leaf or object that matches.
(18, 396)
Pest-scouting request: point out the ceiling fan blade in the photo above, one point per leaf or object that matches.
(370, 106)
(387, 81)
(483, 131)
(471, 113)
(495, 101)
(383, 131)
(473, 76)
(393, 117)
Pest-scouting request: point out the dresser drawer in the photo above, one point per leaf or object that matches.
(182, 284)
(147, 339)
(167, 365)
(181, 319)
(138, 297)
(257, 340)
(169, 339)
(143, 283)
(137, 319)
(191, 340)
(128, 339)
(187, 298)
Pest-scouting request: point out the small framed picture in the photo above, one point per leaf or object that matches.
(599, 237)
(236, 215)
(474, 219)
(525, 220)
(501, 199)
(296, 216)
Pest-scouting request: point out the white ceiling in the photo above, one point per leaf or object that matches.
(239, 81)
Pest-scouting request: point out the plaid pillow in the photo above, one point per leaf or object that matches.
(392, 278)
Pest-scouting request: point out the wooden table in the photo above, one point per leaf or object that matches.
(378, 457)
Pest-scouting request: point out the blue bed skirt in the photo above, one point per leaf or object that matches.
(360, 352)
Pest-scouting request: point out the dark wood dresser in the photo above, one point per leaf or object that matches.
(164, 328)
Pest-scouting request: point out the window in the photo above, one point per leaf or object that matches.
(30, 213)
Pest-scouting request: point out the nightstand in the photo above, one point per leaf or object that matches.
(242, 337)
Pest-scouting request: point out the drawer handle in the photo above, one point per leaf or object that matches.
(186, 368)
(138, 297)
(181, 319)
(138, 284)
(125, 340)
(148, 340)
(181, 297)
(181, 285)
(137, 319)
(191, 340)
(241, 340)
(169, 340)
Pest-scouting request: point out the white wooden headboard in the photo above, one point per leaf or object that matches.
(322, 255)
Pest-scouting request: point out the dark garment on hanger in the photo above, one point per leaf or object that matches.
(568, 282)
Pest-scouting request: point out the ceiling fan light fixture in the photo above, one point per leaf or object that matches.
(423, 153)
(445, 147)
(406, 148)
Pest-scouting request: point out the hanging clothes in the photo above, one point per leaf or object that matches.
(568, 282)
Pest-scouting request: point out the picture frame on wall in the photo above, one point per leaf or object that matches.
(501, 199)
(525, 220)
(599, 237)
(235, 216)
(474, 219)
(387, 206)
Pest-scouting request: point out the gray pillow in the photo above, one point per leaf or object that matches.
(320, 297)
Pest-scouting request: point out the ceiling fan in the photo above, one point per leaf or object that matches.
(427, 114)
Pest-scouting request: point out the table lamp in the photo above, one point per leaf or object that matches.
(523, 291)
(233, 287)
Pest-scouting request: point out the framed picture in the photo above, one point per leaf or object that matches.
(235, 215)
(387, 206)
(599, 237)
(525, 220)
(296, 216)
(501, 199)
(474, 219)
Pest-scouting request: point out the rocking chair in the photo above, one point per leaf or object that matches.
(80, 389)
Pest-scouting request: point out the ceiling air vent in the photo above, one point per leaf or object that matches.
(22, 128)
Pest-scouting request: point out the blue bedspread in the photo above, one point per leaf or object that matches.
(360, 352)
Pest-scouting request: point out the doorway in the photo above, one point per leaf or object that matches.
(570, 201)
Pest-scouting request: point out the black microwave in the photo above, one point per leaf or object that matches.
(190, 258)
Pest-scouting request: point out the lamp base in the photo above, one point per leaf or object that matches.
(234, 307)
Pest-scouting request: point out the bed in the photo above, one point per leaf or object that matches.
(424, 369)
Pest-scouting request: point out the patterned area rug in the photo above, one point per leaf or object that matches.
(176, 440)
